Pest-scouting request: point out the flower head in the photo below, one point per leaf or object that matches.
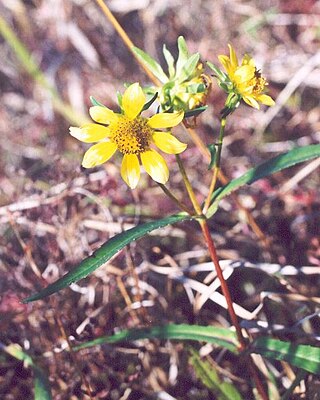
(185, 87)
(188, 94)
(245, 80)
(132, 135)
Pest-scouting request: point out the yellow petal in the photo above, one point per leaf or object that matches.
(248, 60)
(102, 115)
(98, 154)
(89, 133)
(165, 120)
(251, 101)
(233, 57)
(130, 170)
(168, 143)
(133, 100)
(244, 73)
(226, 63)
(155, 166)
(265, 99)
(245, 88)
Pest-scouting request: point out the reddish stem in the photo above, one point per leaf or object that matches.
(233, 316)
(224, 286)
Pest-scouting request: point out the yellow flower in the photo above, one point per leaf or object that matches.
(132, 135)
(247, 81)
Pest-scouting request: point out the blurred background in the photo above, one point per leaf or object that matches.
(53, 213)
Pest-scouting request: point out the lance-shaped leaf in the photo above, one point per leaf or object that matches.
(208, 375)
(151, 64)
(195, 112)
(150, 102)
(220, 336)
(188, 68)
(95, 102)
(213, 152)
(278, 163)
(300, 355)
(104, 253)
(182, 56)
(220, 75)
(170, 61)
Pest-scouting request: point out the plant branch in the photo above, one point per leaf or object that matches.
(216, 168)
(234, 319)
(188, 186)
(224, 286)
(175, 200)
(224, 180)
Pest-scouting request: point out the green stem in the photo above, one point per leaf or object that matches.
(188, 186)
(216, 168)
(224, 180)
(175, 200)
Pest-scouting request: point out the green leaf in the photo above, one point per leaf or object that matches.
(104, 253)
(209, 377)
(182, 56)
(188, 68)
(42, 389)
(220, 336)
(195, 112)
(278, 163)
(151, 64)
(150, 102)
(220, 74)
(196, 88)
(213, 151)
(300, 355)
(95, 102)
(170, 61)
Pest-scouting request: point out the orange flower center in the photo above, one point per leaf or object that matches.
(260, 82)
(131, 136)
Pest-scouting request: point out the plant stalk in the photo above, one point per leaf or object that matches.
(224, 287)
(197, 208)
(234, 319)
(224, 180)
(174, 199)
(216, 168)
(188, 186)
